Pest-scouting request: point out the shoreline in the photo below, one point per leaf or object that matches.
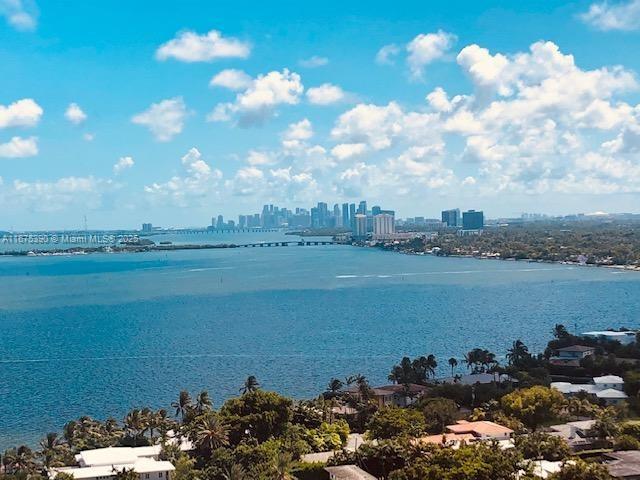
(630, 268)
(125, 249)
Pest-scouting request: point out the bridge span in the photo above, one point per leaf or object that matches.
(301, 243)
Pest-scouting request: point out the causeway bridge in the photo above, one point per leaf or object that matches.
(301, 243)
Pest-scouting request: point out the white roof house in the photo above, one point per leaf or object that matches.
(609, 381)
(103, 463)
(607, 388)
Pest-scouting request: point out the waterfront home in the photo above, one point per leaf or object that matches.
(348, 472)
(623, 465)
(475, 378)
(393, 395)
(571, 356)
(576, 434)
(464, 431)
(104, 463)
(608, 389)
(625, 337)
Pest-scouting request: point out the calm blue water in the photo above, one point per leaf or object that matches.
(99, 334)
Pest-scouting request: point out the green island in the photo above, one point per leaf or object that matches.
(568, 413)
(605, 243)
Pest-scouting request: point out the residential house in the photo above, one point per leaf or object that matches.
(608, 389)
(348, 472)
(576, 434)
(623, 465)
(393, 395)
(571, 356)
(104, 463)
(468, 432)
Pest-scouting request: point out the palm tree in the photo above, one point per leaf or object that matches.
(236, 472)
(283, 463)
(126, 474)
(203, 402)
(560, 331)
(250, 385)
(432, 364)
(453, 363)
(335, 385)
(19, 460)
(517, 353)
(211, 433)
(135, 423)
(50, 447)
(183, 404)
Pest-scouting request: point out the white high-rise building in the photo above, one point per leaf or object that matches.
(384, 224)
(360, 226)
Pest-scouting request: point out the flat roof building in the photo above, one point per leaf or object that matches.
(104, 463)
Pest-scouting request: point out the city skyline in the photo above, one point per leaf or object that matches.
(172, 113)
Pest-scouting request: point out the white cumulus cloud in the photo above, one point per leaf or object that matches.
(164, 119)
(426, 48)
(232, 79)
(22, 113)
(325, 94)
(75, 114)
(19, 147)
(191, 47)
(122, 164)
(259, 101)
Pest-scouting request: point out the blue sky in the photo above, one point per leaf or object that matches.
(172, 112)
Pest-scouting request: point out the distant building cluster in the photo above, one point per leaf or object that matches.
(358, 219)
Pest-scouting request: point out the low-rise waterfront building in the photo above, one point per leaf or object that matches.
(608, 389)
(104, 463)
(464, 431)
(571, 356)
(576, 434)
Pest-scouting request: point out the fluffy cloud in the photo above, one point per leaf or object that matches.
(301, 130)
(17, 15)
(164, 119)
(123, 163)
(23, 113)
(426, 48)
(532, 125)
(623, 15)
(200, 184)
(257, 158)
(75, 114)
(386, 55)
(232, 79)
(314, 62)
(325, 94)
(344, 151)
(19, 147)
(191, 47)
(370, 124)
(259, 101)
(281, 184)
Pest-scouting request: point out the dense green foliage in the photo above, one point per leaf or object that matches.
(600, 242)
